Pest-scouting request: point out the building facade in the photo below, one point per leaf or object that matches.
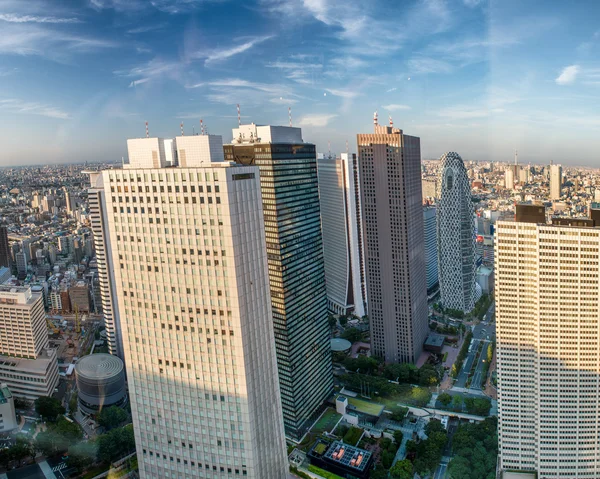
(555, 182)
(191, 280)
(342, 251)
(455, 235)
(5, 253)
(548, 348)
(290, 191)
(430, 241)
(392, 216)
(106, 273)
(28, 365)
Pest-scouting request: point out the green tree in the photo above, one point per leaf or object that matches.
(402, 470)
(379, 473)
(5, 458)
(398, 436)
(398, 413)
(111, 417)
(457, 402)
(387, 458)
(343, 321)
(490, 353)
(482, 406)
(444, 399)
(21, 449)
(49, 408)
(331, 320)
(82, 455)
(469, 403)
(352, 335)
(115, 444)
(420, 396)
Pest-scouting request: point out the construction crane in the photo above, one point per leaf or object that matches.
(52, 326)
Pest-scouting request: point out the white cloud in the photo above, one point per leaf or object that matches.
(344, 93)
(298, 71)
(221, 54)
(316, 119)
(471, 3)
(141, 81)
(428, 65)
(15, 105)
(13, 18)
(395, 107)
(391, 90)
(283, 101)
(36, 39)
(568, 75)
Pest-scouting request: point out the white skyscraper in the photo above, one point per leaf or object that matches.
(509, 178)
(27, 364)
(555, 182)
(191, 280)
(106, 273)
(340, 221)
(548, 346)
(456, 235)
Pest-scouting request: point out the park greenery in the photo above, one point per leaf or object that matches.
(462, 354)
(402, 470)
(106, 448)
(476, 448)
(377, 386)
(352, 436)
(481, 307)
(111, 417)
(428, 453)
(352, 334)
(49, 408)
(22, 449)
(58, 437)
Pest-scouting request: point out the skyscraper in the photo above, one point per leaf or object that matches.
(392, 215)
(290, 192)
(4, 248)
(509, 178)
(106, 273)
(191, 276)
(27, 364)
(455, 235)
(555, 182)
(430, 241)
(340, 221)
(548, 345)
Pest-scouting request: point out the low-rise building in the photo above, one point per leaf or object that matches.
(8, 417)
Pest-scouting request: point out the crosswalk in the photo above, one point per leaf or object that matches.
(60, 467)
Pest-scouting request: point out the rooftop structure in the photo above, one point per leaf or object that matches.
(341, 458)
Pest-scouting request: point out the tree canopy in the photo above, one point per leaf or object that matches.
(49, 408)
(111, 417)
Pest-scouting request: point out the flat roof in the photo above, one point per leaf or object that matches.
(435, 340)
(348, 456)
(340, 344)
(365, 407)
(32, 366)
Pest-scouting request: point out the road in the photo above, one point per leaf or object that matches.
(486, 332)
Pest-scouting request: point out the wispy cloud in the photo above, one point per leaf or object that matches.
(135, 6)
(283, 101)
(395, 107)
(391, 90)
(423, 65)
(37, 39)
(14, 18)
(141, 81)
(344, 93)
(316, 119)
(15, 105)
(568, 75)
(146, 28)
(299, 71)
(221, 54)
(4, 72)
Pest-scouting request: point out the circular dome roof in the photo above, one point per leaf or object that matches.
(339, 344)
(99, 366)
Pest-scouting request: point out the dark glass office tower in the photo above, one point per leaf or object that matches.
(4, 248)
(288, 171)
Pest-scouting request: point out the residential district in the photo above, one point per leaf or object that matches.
(253, 308)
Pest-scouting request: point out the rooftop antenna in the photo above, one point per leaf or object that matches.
(347, 150)
(290, 114)
(201, 127)
(182, 134)
(239, 115)
(147, 134)
(391, 121)
(329, 148)
(516, 157)
(375, 118)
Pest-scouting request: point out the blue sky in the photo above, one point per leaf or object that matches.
(479, 77)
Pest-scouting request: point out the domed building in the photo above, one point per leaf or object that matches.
(455, 235)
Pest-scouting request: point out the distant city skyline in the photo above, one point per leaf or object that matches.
(470, 76)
